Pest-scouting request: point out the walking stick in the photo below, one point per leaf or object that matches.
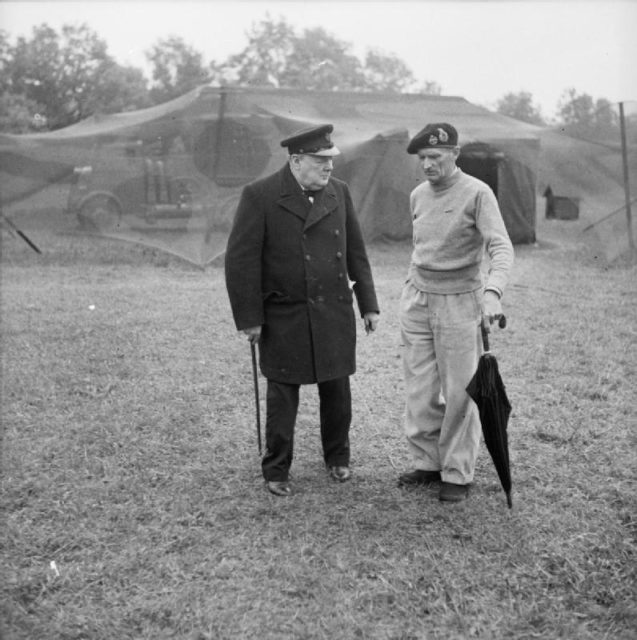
(256, 393)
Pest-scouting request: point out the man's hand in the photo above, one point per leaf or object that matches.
(491, 308)
(253, 333)
(371, 321)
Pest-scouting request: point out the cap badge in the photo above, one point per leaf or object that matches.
(442, 134)
(433, 141)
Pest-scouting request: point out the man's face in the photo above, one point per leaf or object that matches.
(313, 172)
(437, 164)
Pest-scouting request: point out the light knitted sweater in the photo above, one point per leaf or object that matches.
(453, 223)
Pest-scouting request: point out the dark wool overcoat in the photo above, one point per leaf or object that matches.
(293, 268)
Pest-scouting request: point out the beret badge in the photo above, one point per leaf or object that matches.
(437, 134)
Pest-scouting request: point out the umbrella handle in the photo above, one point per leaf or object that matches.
(502, 322)
(485, 336)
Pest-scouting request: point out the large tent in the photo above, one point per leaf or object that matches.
(170, 176)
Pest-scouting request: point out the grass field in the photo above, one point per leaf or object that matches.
(133, 505)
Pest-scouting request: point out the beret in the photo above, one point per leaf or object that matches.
(313, 140)
(438, 134)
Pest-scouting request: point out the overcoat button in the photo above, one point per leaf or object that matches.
(340, 276)
(337, 232)
(339, 255)
(307, 257)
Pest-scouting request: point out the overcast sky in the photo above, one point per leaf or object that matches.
(480, 50)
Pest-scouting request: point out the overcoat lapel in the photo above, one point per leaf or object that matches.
(290, 198)
(325, 202)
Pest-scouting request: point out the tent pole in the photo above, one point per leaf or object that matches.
(607, 216)
(220, 116)
(23, 235)
(629, 219)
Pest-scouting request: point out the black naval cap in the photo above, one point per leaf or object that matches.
(438, 134)
(313, 140)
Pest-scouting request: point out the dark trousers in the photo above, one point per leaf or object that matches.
(282, 402)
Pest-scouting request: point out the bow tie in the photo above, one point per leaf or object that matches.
(309, 194)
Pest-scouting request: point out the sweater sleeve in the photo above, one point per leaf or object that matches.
(496, 241)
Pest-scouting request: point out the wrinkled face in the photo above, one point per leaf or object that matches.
(438, 164)
(312, 172)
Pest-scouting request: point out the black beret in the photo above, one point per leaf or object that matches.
(438, 134)
(313, 140)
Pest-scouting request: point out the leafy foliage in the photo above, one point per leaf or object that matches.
(321, 62)
(54, 79)
(520, 106)
(68, 74)
(277, 56)
(585, 117)
(387, 72)
(19, 114)
(263, 61)
(177, 69)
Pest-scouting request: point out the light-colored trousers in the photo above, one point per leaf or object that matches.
(442, 344)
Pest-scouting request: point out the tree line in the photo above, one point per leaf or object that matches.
(53, 79)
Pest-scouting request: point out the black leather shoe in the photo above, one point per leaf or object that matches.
(342, 474)
(451, 492)
(279, 487)
(418, 476)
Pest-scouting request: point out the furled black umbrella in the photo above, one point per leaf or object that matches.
(488, 392)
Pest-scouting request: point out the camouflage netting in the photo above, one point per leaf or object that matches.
(170, 176)
(590, 175)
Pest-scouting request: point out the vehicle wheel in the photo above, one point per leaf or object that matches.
(100, 213)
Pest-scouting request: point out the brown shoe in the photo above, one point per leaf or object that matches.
(279, 488)
(451, 492)
(342, 474)
(419, 476)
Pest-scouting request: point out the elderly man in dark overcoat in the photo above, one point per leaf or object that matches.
(295, 259)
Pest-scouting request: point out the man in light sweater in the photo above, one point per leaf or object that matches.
(455, 218)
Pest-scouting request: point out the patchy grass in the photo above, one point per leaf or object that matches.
(129, 462)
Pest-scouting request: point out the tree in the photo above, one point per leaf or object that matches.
(585, 117)
(576, 109)
(5, 61)
(263, 61)
(59, 71)
(19, 114)
(177, 69)
(520, 106)
(321, 62)
(387, 72)
(277, 56)
(430, 88)
(120, 88)
(68, 76)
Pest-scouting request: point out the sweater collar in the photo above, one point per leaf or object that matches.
(447, 182)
